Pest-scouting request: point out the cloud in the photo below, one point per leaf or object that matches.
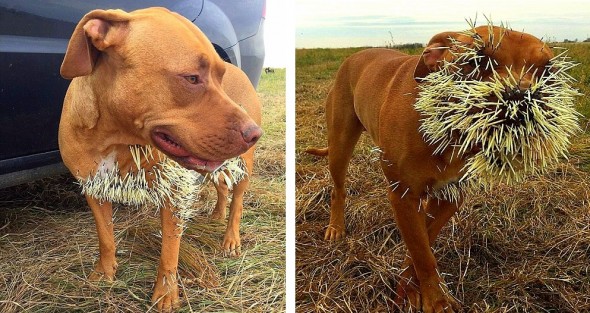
(368, 23)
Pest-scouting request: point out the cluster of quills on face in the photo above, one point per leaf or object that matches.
(165, 183)
(502, 132)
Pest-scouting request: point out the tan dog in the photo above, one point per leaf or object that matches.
(150, 77)
(375, 91)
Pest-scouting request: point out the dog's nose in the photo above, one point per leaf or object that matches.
(251, 134)
(518, 93)
(513, 94)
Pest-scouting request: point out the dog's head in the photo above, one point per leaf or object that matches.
(155, 73)
(499, 98)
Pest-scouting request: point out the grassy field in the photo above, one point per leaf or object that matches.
(522, 248)
(48, 242)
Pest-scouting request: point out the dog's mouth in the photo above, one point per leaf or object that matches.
(511, 108)
(172, 148)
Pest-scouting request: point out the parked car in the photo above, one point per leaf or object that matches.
(33, 40)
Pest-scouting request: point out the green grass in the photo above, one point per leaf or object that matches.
(48, 242)
(580, 52)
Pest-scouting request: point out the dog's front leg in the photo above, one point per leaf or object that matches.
(411, 222)
(166, 289)
(222, 191)
(438, 213)
(231, 240)
(106, 266)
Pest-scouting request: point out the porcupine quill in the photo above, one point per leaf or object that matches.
(516, 138)
(171, 182)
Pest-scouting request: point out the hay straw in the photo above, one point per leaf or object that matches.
(519, 248)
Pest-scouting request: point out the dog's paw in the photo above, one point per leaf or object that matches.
(218, 214)
(413, 296)
(408, 291)
(414, 301)
(100, 276)
(103, 271)
(334, 232)
(165, 297)
(438, 300)
(231, 244)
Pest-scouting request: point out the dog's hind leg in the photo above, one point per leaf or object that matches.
(222, 191)
(344, 130)
(231, 239)
(106, 266)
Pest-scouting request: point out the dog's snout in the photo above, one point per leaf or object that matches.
(513, 94)
(519, 94)
(251, 134)
(520, 91)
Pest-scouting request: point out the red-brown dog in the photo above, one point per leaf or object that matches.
(375, 91)
(150, 77)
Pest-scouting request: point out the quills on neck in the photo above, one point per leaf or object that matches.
(168, 182)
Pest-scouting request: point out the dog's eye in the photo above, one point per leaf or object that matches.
(549, 69)
(193, 79)
(478, 60)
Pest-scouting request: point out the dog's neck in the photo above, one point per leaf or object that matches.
(449, 167)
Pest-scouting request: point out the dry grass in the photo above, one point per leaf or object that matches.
(48, 243)
(524, 248)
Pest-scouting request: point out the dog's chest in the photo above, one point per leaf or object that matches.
(154, 179)
(450, 190)
(447, 183)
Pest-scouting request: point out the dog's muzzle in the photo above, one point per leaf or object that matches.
(502, 131)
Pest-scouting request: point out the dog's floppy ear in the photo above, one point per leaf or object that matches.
(429, 59)
(96, 31)
(434, 53)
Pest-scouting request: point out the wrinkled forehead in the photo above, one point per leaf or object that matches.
(160, 32)
(154, 23)
(519, 44)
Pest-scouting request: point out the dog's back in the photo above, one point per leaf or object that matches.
(369, 79)
(239, 88)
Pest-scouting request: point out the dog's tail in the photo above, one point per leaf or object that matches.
(318, 151)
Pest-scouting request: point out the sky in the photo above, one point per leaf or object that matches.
(278, 33)
(345, 23)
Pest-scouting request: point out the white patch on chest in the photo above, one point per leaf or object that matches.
(107, 164)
